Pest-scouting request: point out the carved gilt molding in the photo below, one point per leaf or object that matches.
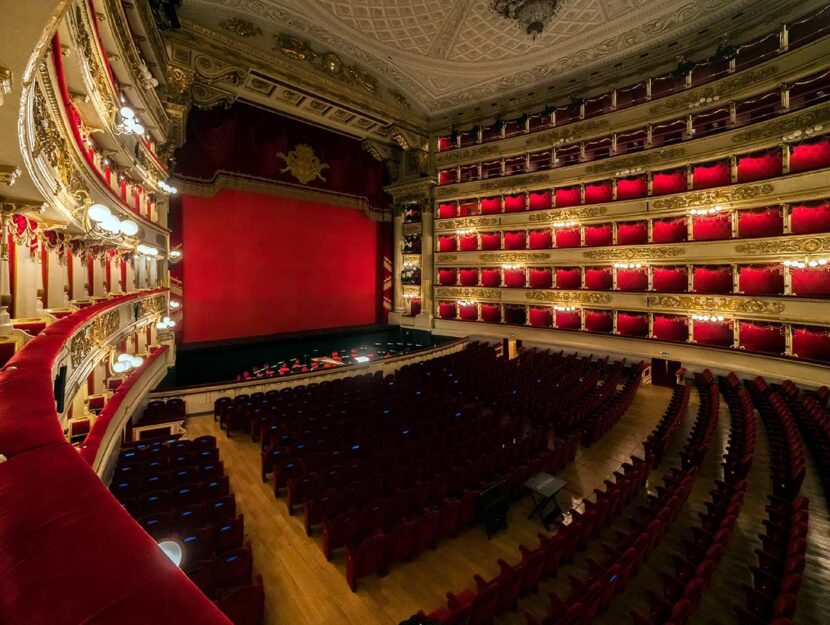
(715, 196)
(568, 297)
(751, 305)
(581, 212)
(514, 257)
(629, 253)
(785, 245)
(467, 292)
(792, 123)
(469, 222)
(636, 160)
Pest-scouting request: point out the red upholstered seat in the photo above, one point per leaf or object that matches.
(763, 222)
(567, 196)
(598, 235)
(568, 237)
(807, 156)
(490, 241)
(670, 328)
(244, 605)
(368, 558)
(632, 233)
(629, 188)
(632, 324)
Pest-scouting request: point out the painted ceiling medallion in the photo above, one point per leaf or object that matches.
(243, 28)
(303, 164)
(533, 15)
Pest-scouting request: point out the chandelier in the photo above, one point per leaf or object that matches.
(533, 15)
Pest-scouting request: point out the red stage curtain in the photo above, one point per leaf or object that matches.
(447, 210)
(712, 227)
(599, 235)
(671, 230)
(447, 277)
(761, 279)
(810, 219)
(713, 333)
(491, 313)
(599, 321)
(762, 337)
(540, 239)
(598, 278)
(541, 278)
(712, 279)
(567, 196)
(468, 277)
(490, 241)
(470, 207)
(540, 200)
(711, 175)
(514, 203)
(446, 310)
(759, 166)
(568, 320)
(670, 328)
(811, 343)
(632, 279)
(514, 314)
(669, 279)
(598, 192)
(468, 243)
(629, 188)
(808, 156)
(632, 324)
(632, 233)
(468, 312)
(514, 278)
(490, 205)
(491, 278)
(514, 240)
(569, 279)
(811, 282)
(668, 182)
(760, 222)
(568, 237)
(447, 243)
(541, 317)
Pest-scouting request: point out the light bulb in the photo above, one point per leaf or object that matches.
(120, 366)
(136, 361)
(129, 227)
(124, 358)
(98, 212)
(127, 112)
(172, 550)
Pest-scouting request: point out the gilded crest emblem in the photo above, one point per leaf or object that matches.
(303, 164)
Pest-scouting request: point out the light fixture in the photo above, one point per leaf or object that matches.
(801, 264)
(627, 172)
(167, 188)
(175, 254)
(708, 317)
(466, 302)
(704, 100)
(628, 265)
(564, 308)
(564, 224)
(125, 362)
(146, 250)
(802, 133)
(103, 219)
(513, 266)
(706, 211)
(165, 324)
(532, 15)
(361, 359)
(172, 550)
(129, 123)
(174, 304)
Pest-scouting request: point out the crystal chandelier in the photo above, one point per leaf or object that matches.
(533, 15)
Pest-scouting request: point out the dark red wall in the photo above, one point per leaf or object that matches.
(255, 265)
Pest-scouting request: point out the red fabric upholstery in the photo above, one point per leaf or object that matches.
(711, 175)
(632, 233)
(809, 156)
(568, 237)
(491, 313)
(568, 320)
(599, 321)
(598, 235)
(811, 343)
(514, 203)
(761, 279)
(470, 207)
(447, 210)
(712, 227)
(447, 243)
(671, 230)
(810, 219)
(669, 279)
(568, 279)
(668, 182)
(628, 188)
(468, 243)
(540, 278)
(632, 324)
(598, 278)
(670, 328)
(540, 239)
(761, 222)
(632, 279)
(809, 282)
(567, 196)
(491, 278)
(762, 337)
(540, 200)
(713, 333)
(415, 306)
(598, 192)
(6, 351)
(447, 277)
(446, 310)
(712, 279)
(759, 167)
(541, 317)
(32, 328)
(468, 312)
(490, 205)
(514, 240)
(514, 278)
(468, 277)
(490, 241)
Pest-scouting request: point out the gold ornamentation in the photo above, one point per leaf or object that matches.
(9, 174)
(471, 222)
(467, 293)
(328, 62)
(568, 297)
(780, 127)
(629, 253)
(568, 133)
(150, 306)
(409, 289)
(787, 245)
(454, 156)
(179, 82)
(716, 92)
(303, 164)
(93, 335)
(568, 213)
(400, 99)
(5, 83)
(445, 191)
(407, 140)
(446, 258)
(637, 160)
(103, 88)
(510, 182)
(514, 257)
(751, 305)
(363, 78)
(715, 196)
(243, 28)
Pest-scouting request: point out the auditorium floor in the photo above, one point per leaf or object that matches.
(302, 588)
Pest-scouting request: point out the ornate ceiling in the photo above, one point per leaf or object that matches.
(446, 54)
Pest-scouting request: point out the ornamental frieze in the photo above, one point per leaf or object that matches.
(753, 305)
(792, 123)
(567, 133)
(473, 222)
(568, 297)
(151, 306)
(409, 289)
(514, 257)
(446, 258)
(629, 253)
(514, 182)
(92, 335)
(454, 156)
(466, 293)
(445, 191)
(568, 213)
(637, 160)
(785, 245)
(715, 196)
(716, 92)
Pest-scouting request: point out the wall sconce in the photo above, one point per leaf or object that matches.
(799, 264)
(708, 317)
(167, 188)
(129, 124)
(795, 135)
(704, 100)
(564, 224)
(172, 550)
(509, 267)
(627, 265)
(103, 218)
(174, 304)
(564, 308)
(146, 250)
(706, 211)
(175, 254)
(165, 324)
(125, 362)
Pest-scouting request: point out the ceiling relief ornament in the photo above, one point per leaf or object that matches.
(568, 213)
(94, 66)
(243, 28)
(787, 245)
(567, 134)
(568, 297)
(791, 124)
(179, 82)
(630, 253)
(514, 257)
(467, 293)
(715, 196)
(303, 164)
(208, 97)
(474, 222)
(637, 160)
(750, 305)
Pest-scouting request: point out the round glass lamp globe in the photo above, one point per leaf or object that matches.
(120, 366)
(136, 361)
(98, 212)
(124, 357)
(129, 227)
(172, 550)
(127, 112)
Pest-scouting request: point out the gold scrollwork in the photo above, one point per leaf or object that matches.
(303, 164)
(473, 222)
(93, 335)
(446, 258)
(810, 245)
(467, 293)
(637, 160)
(754, 305)
(568, 213)
(514, 257)
(568, 133)
(511, 182)
(779, 127)
(241, 27)
(151, 306)
(715, 196)
(629, 253)
(565, 297)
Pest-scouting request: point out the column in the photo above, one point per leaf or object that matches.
(785, 97)
(98, 288)
(733, 167)
(55, 286)
(614, 321)
(427, 256)
(788, 339)
(783, 38)
(25, 282)
(691, 338)
(786, 216)
(736, 334)
(397, 260)
(651, 325)
(115, 274)
(785, 158)
(690, 278)
(77, 290)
